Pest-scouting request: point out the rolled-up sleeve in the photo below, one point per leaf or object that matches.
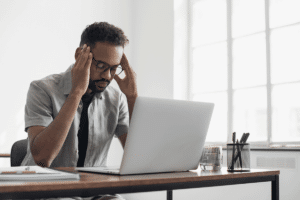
(123, 118)
(38, 108)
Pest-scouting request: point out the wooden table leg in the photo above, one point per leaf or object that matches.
(169, 194)
(275, 188)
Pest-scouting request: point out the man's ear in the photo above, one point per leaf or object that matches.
(77, 52)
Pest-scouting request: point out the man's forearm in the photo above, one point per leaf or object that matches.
(49, 142)
(131, 102)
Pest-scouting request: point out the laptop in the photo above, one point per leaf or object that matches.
(164, 135)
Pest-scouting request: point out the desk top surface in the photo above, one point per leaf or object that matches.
(92, 180)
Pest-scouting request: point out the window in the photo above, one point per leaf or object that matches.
(245, 57)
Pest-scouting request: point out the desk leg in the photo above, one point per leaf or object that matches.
(275, 188)
(169, 194)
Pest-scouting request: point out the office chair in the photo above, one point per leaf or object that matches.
(18, 152)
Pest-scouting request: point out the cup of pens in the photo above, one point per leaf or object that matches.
(238, 155)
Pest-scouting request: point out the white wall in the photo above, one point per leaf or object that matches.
(152, 27)
(181, 50)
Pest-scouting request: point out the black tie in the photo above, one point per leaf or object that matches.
(83, 130)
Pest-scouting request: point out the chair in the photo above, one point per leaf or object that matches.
(18, 152)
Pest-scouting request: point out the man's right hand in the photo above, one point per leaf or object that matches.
(81, 71)
(46, 142)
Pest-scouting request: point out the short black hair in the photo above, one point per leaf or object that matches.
(103, 32)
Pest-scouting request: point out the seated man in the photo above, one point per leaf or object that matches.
(72, 117)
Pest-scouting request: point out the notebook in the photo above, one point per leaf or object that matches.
(164, 135)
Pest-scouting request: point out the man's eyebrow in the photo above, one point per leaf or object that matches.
(106, 63)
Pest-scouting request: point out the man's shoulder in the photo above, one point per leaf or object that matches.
(48, 80)
(51, 82)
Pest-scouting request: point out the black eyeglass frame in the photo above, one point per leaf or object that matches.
(110, 67)
(98, 62)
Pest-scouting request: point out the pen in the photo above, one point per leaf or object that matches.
(242, 138)
(239, 153)
(233, 137)
(233, 150)
(246, 137)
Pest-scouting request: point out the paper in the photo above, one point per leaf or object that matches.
(35, 173)
(36, 169)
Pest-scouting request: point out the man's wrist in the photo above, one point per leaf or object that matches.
(75, 95)
(131, 102)
(131, 98)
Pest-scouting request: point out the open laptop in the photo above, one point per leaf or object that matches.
(164, 136)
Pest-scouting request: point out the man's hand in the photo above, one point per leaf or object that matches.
(128, 83)
(81, 71)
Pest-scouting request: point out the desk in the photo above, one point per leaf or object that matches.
(93, 184)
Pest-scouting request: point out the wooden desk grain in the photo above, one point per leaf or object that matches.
(90, 180)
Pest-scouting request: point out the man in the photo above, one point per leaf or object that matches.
(72, 117)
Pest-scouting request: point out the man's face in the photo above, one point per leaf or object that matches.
(106, 53)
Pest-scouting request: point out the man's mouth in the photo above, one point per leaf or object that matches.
(101, 84)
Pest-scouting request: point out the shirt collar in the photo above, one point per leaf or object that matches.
(67, 79)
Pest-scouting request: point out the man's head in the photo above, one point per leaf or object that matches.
(107, 44)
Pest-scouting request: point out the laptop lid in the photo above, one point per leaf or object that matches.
(165, 135)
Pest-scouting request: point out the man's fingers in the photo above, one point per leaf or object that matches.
(84, 56)
(124, 59)
(126, 71)
(125, 65)
(129, 72)
(89, 60)
(117, 78)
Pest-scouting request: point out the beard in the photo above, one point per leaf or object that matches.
(95, 89)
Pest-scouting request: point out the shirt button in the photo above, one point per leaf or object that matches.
(101, 97)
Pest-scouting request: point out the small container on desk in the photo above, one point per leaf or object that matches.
(212, 158)
(238, 157)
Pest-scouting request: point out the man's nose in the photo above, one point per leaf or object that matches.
(106, 74)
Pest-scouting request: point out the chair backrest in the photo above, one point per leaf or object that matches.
(18, 152)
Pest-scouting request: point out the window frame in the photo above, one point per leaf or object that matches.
(230, 91)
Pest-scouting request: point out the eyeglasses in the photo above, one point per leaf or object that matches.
(103, 67)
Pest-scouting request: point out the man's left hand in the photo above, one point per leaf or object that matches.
(128, 83)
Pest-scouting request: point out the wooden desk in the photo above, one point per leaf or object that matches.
(93, 184)
(5, 155)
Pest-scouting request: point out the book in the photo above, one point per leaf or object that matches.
(35, 173)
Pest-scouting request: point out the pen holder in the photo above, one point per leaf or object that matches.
(238, 157)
